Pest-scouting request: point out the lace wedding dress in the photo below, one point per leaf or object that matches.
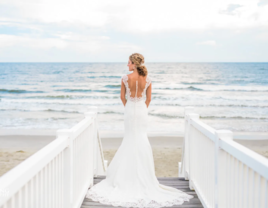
(130, 178)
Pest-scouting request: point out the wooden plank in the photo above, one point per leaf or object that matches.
(192, 202)
(159, 178)
(90, 200)
(175, 206)
(175, 182)
(171, 178)
(162, 182)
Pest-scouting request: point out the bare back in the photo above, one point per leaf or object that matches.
(136, 86)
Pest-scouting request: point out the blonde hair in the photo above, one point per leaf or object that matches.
(138, 60)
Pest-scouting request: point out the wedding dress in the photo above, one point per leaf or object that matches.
(130, 178)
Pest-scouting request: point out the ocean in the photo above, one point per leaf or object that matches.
(231, 96)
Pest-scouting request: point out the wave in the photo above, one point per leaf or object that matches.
(198, 83)
(244, 90)
(46, 110)
(234, 117)
(235, 105)
(75, 90)
(211, 117)
(86, 90)
(63, 111)
(53, 96)
(161, 115)
(113, 86)
(211, 88)
(212, 105)
(57, 72)
(56, 118)
(73, 97)
(186, 88)
(191, 88)
(115, 101)
(110, 112)
(164, 115)
(18, 91)
(104, 77)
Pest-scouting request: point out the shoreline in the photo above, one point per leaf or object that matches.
(117, 134)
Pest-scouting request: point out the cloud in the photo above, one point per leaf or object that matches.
(263, 2)
(141, 17)
(68, 41)
(208, 42)
(230, 10)
(13, 40)
(93, 29)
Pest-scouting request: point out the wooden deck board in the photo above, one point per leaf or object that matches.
(175, 182)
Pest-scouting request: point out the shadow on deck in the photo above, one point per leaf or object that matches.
(175, 182)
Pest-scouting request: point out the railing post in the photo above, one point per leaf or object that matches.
(182, 164)
(219, 169)
(100, 165)
(93, 115)
(190, 145)
(188, 110)
(67, 168)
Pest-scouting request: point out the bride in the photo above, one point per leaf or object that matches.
(130, 179)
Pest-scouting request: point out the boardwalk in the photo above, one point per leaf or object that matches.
(175, 182)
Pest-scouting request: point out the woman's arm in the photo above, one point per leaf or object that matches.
(148, 95)
(123, 93)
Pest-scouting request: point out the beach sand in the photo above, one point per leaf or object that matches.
(166, 150)
(16, 148)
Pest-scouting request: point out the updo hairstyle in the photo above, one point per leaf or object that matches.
(138, 60)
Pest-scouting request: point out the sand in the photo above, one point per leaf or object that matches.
(16, 148)
(166, 150)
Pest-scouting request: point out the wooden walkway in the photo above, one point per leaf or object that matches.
(175, 182)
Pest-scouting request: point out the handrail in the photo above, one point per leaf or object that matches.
(14, 179)
(218, 168)
(102, 157)
(254, 160)
(181, 164)
(55, 176)
(202, 127)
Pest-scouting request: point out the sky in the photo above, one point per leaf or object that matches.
(111, 30)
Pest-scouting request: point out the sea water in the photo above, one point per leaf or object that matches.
(231, 96)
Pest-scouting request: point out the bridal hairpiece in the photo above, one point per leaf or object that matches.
(142, 64)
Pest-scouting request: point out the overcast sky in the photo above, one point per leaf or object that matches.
(111, 30)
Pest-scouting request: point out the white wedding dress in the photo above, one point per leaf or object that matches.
(130, 179)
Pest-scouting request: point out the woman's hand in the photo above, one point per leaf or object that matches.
(147, 102)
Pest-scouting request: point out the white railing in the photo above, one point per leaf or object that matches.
(223, 173)
(58, 175)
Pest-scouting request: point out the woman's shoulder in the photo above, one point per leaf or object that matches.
(148, 79)
(124, 77)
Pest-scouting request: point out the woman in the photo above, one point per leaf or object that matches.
(130, 180)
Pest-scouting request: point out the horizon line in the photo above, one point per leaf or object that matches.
(145, 63)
